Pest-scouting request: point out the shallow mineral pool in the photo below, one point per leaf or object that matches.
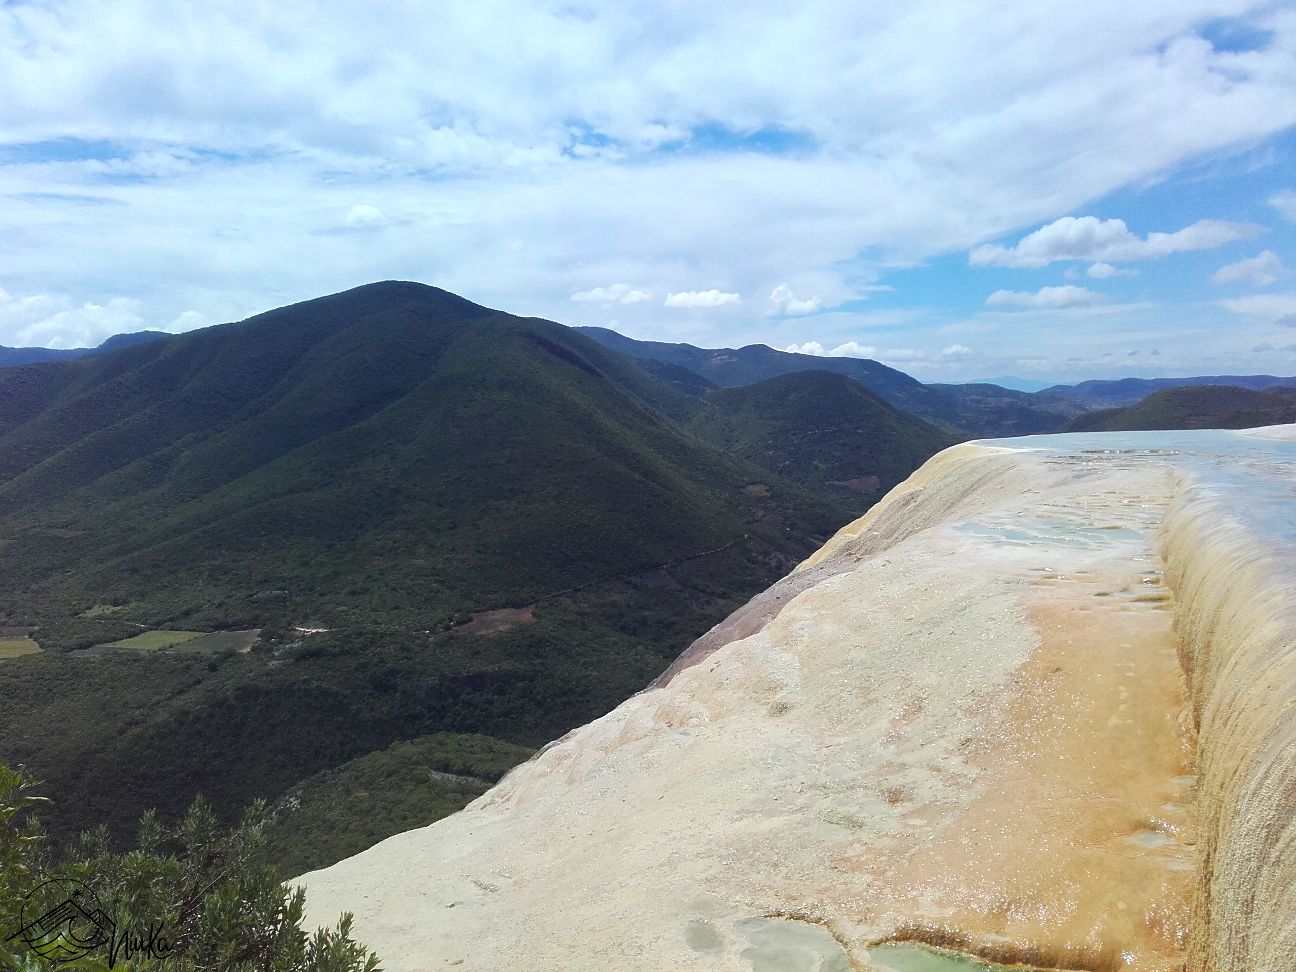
(908, 957)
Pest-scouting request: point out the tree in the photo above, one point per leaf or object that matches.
(193, 897)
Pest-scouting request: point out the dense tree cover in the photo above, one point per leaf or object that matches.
(386, 464)
(820, 430)
(120, 732)
(386, 457)
(410, 784)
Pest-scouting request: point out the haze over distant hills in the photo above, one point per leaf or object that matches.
(979, 410)
(1127, 391)
(21, 356)
(1195, 407)
(996, 408)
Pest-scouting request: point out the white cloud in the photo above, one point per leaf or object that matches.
(57, 321)
(956, 351)
(701, 298)
(364, 216)
(187, 321)
(616, 294)
(1047, 298)
(1090, 238)
(851, 349)
(809, 347)
(1275, 307)
(786, 302)
(1285, 203)
(1102, 271)
(1260, 270)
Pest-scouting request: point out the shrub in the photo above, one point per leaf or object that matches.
(192, 897)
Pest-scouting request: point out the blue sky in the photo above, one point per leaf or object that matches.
(958, 190)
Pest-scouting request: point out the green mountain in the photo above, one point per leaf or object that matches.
(1196, 407)
(822, 430)
(971, 410)
(497, 522)
(272, 471)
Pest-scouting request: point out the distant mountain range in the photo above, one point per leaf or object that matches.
(972, 410)
(1001, 406)
(22, 356)
(1013, 406)
(1128, 391)
(1195, 407)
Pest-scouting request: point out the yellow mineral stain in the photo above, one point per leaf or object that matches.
(1080, 852)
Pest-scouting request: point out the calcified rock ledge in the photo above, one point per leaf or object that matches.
(1039, 706)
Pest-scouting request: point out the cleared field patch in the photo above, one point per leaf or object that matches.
(500, 619)
(13, 646)
(241, 641)
(154, 640)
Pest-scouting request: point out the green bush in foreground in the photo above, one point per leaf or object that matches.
(188, 898)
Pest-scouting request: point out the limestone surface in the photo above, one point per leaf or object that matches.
(1036, 707)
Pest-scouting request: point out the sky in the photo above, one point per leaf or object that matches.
(961, 190)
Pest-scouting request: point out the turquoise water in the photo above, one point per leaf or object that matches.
(908, 957)
(1254, 476)
(787, 945)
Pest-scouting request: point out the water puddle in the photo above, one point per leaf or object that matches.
(1151, 838)
(910, 957)
(787, 945)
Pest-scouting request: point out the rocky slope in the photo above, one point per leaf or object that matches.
(1034, 707)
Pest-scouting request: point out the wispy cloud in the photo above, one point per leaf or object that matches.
(1261, 271)
(848, 349)
(1103, 271)
(1277, 307)
(1285, 203)
(618, 293)
(701, 298)
(1089, 238)
(1049, 298)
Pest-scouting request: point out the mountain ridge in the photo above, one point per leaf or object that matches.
(10, 357)
(974, 410)
(358, 485)
(1195, 407)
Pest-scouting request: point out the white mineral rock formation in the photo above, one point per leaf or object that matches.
(1039, 705)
